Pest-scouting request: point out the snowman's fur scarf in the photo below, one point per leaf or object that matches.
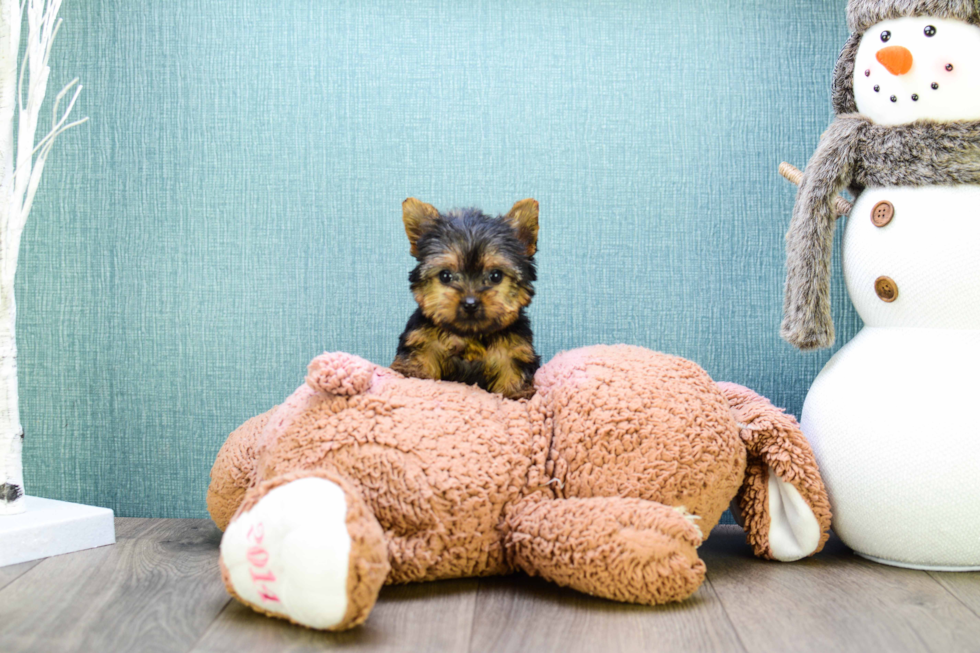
(807, 322)
(856, 153)
(862, 14)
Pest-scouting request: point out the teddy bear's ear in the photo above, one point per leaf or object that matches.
(418, 218)
(337, 373)
(523, 217)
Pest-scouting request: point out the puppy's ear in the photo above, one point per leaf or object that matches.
(523, 217)
(418, 218)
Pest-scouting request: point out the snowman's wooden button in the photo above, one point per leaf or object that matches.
(882, 214)
(886, 289)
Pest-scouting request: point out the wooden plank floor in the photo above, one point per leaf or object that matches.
(158, 589)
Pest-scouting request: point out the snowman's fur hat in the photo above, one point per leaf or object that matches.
(862, 14)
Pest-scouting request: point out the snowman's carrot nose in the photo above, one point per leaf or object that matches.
(896, 59)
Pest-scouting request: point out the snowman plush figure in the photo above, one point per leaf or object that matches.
(894, 416)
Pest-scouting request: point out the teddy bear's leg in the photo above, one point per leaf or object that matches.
(782, 503)
(306, 548)
(617, 548)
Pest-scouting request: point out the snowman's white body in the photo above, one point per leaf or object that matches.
(894, 416)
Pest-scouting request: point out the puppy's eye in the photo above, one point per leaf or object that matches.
(930, 30)
(495, 276)
(446, 277)
(885, 36)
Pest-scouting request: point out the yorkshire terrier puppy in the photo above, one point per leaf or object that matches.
(472, 283)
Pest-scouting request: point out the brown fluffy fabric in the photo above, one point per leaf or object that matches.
(236, 470)
(672, 430)
(616, 548)
(856, 153)
(600, 482)
(774, 441)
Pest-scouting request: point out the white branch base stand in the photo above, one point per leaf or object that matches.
(50, 528)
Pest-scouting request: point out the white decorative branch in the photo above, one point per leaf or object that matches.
(21, 165)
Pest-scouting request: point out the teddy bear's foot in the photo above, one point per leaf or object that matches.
(305, 549)
(617, 548)
(782, 504)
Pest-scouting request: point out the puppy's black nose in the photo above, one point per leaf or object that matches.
(470, 304)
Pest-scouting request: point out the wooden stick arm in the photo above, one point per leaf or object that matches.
(793, 174)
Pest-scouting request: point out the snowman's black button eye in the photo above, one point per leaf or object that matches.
(877, 88)
(885, 36)
(930, 30)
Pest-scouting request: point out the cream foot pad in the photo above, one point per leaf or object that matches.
(290, 553)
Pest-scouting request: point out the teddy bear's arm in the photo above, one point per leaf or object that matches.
(617, 548)
(233, 469)
(782, 502)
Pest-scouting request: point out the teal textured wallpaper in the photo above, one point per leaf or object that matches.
(233, 206)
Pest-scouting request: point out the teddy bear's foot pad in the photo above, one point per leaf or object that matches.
(290, 554)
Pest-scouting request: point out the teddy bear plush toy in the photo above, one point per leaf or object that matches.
(607, 481)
